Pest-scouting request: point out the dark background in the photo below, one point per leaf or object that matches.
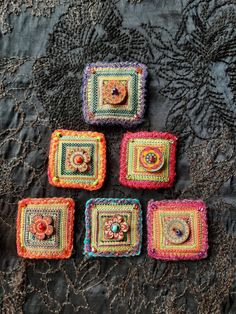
(189, 48)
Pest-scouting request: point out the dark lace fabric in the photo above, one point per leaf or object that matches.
(189, 48)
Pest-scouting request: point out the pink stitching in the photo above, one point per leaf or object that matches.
(153, 205)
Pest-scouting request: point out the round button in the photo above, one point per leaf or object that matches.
(152, 159)
(177, 230)
(41, 226)
(78, 159)
(115, 227)
(114, 92)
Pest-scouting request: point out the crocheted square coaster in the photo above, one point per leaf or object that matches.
(113, 227)
(45, 227)
(114, 93)
(147, 160)
(77, 159)
(177, 230)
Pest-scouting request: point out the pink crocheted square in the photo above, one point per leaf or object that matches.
(177, 230)
(147, 160)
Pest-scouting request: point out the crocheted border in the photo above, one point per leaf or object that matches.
(124, 166)
(88, 223)
(66, 253)
(138, 117)
(95, 185)
(165, 205)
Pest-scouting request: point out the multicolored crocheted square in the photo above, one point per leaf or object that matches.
(45, 227)
(147, 160)
(77, 159)
(113, 227)
(177, 230)
(114, 93)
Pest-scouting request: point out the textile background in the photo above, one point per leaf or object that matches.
(189, 47)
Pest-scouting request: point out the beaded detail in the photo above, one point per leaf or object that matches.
(77, 159)
(177, 230)
(114, 93)
(147, 160)
(113, 227)
(45, 228)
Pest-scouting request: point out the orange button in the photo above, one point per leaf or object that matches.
(114, 92)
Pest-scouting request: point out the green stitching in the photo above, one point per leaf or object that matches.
(134, 94)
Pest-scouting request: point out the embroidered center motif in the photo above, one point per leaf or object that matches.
(140, 166)
(115, 228)
(78, 159)
(152, 159)
(41, 227)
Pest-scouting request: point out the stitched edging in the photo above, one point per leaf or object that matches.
(200, 206)
(66, 253)
(133, 121)
(102, 166)
(87, 241)
(123, 160)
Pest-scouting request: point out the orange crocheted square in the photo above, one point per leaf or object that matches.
(45, 228)
(77, 159)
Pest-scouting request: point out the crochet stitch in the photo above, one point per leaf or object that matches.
(77, 159)
(113, 227)
(114, 93)
(147, 160)
(177, 230)
(45, 228)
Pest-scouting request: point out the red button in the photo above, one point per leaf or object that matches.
(41, 227)
(78, 160)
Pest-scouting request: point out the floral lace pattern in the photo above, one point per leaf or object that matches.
(198, 67)
(37, 7)
(189, 48)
